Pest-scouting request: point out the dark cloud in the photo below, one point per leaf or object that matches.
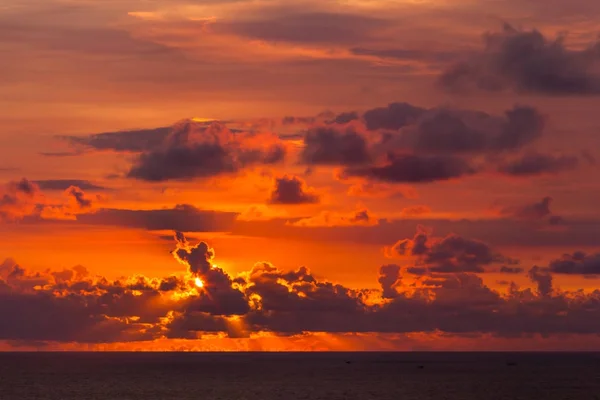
(182, 218)
(125, 141)
(578, 263)
(526, 61)
(543, 279)
(451, 254)
(457, 254)
(73, 306)
(417, 246)
(446, 131)
(405, 143)
(394, 116)
(346, 117)
(79, 196)
(80, 316)
(217, 296)
(64, 184)
(331, 145)
(287, 299)
(416, 169)
(292, 190)
(533, 163)
(390, 279)
(198, 150)
(302, 27)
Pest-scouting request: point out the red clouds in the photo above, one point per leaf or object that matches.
(72, 305)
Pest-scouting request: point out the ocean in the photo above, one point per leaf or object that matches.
(306, 376)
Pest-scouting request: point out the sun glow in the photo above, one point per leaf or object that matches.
(199, 283)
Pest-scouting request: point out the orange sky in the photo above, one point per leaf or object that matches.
(345, 137)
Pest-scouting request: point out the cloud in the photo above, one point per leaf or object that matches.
(218, 296)
(332, 145)
(527, 61)
(394, 116)
(402, 143)
(198, 151)
(532, 163)
(543, 279)
(19, 199)
(79, 197)
(416, 169)
(451, 254)
(23, 200)
(456, 131)
(390, 279)
(134, 141)
(578, 263)
(292, 190)
(92, 309)
(182, 217)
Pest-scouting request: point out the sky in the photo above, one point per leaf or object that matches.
(299, 175)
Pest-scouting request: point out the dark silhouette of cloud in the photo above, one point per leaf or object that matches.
(182, 217)
(390, 280)
(394, 116)
(134, 141)
(218, 296)
(402, 143)
(543, 279)
(578, 263)
(72, 305)
(532, 163)
(79, 196)
(451, 254)
(527, 61)
(292, 190)
(331, 145)
(416, 169)
(198, 150)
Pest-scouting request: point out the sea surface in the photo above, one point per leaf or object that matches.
(307, 376)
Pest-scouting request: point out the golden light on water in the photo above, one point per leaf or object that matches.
(199, 283)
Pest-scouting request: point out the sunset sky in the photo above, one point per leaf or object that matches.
(339, 175)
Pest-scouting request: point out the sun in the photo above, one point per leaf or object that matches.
(199, 282)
